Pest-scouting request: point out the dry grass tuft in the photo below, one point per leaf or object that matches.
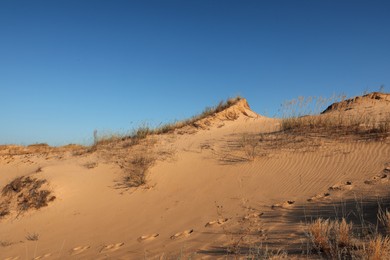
(336, 240)
(378, 248)
(5, 243)
(384, 219)
(331, 237)
(343, 233)
(4, 209)
(32, 237)
(319, 233)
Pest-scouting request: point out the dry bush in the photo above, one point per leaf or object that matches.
(136, 170)
(27, 192)
(249, 144)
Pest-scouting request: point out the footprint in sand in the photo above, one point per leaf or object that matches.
(319, 196)
(253, 215)
(382, 177)
(42, 256)
(217, 222)
(79, 249)
(111, 247)
(341, 186)
(148, 237)
(285, 205)
(185, 233)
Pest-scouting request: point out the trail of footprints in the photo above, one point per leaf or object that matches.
(148, 237)
(78, 250)
(285, 205)
(111, 247)
(185, 233)
(217, 222)
(382, 177)
(42, 256)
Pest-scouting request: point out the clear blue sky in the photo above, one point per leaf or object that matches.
(69, 67)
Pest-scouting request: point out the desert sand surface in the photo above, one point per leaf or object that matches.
(214, 189)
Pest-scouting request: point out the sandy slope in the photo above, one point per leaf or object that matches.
(201, 175)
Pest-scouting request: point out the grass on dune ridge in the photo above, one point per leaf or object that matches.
(144, 130)
(334, 121)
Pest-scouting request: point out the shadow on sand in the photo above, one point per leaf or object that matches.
(290, 234)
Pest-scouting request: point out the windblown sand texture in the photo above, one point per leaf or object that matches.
(203, 181)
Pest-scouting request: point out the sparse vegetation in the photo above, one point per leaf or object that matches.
(136, 166)
(338, 239)
(136, 174)
(331, 237)
(27, 193)
(144, 130)
(378, 248)
(301, 117)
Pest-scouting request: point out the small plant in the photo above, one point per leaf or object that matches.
(32, 236)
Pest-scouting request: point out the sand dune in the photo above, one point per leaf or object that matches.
(227, 171)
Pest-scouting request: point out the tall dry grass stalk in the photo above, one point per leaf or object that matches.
(384, 218)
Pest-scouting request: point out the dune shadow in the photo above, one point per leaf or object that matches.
(292, 236)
